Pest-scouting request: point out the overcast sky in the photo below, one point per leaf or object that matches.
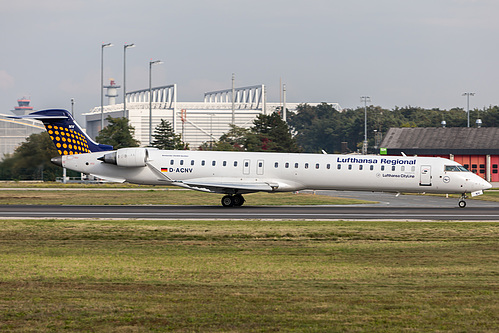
(400, 52)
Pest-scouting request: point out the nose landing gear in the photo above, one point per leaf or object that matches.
(461, 202)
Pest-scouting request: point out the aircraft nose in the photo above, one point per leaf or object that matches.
(486, 185)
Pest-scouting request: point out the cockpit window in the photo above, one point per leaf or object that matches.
(458, 168)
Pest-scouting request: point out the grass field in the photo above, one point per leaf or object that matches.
(158, 197)
(248, 276)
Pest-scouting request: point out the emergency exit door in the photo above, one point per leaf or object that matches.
(425, 175)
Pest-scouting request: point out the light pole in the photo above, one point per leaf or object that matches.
(233, 101)
(125, 112)
(151, 63)
(365, 99)
(468, 94)
(102, 84)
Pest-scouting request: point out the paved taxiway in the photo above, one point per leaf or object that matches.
(390, 207)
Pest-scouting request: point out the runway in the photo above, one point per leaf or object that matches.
(252, 212)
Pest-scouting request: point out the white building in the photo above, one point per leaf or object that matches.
(197, 122)
(13, 132)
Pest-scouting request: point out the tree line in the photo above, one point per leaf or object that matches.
(310, 129)
(322, 127)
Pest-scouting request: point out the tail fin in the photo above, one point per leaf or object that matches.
(66, 134)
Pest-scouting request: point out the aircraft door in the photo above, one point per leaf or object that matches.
(259, 167)
(246, 167)
(425, 175)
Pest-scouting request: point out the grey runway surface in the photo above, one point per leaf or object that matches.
(388, 207)
(255, 212)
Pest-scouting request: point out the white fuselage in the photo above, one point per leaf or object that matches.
(237, 172)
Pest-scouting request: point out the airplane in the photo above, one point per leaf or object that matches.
(234, 174)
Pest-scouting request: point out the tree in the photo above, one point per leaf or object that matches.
(317, 127)
(119, 133)
(234, 139)
(31, 160)
(271, 133)
(165, 137)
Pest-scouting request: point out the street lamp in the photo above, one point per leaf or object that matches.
(468, 94)
(151, 63)
(365, 99)
(125, 112)
(102, 84)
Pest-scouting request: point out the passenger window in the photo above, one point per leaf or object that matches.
(235, 163)
(276, 165)
(382, 168)
(192, 162)
(224, 163)
(203, 163)
(361, 166)
(413, 168)
(213, 163)
(246, 164)
(328, 166)
(393, 167)
(371, 167)
(171, 162)
(349, 167)
(317, 166)
(286, 165)
(296, 165)
(306, 165)
(181, 162)
(339, 167)
(260, 164)
(402, 168)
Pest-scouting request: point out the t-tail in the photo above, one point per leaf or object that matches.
(66, 134)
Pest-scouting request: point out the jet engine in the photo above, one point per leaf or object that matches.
(127, 157)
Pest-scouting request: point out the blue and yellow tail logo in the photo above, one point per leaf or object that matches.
(65, 133)
(67, 141)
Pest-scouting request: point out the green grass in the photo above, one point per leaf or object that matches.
(248, 276)
(158, 197)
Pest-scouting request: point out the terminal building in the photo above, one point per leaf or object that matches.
(477, 149)
(196, 122)
(13, 132)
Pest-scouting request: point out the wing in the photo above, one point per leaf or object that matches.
(228, 187)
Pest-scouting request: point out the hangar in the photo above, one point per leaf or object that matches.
(197, 122)
(477, 149)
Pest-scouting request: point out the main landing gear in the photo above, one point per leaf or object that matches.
(461, 202)
(232, 200)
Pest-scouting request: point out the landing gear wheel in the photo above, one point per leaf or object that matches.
(461, 202)
(238, 200)
(228, 201)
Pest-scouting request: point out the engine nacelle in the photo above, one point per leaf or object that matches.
(127, 157)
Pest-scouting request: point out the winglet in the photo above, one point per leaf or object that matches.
(65, 132)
